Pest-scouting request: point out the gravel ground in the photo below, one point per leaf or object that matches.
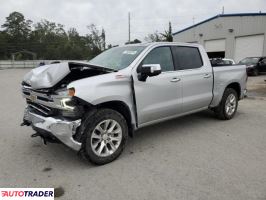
(193, 157)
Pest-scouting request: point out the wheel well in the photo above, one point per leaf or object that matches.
(123, 109)
(236, 87)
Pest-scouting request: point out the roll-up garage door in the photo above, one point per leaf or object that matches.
(248, 46)
(215, 45)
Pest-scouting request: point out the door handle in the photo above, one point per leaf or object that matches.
(206, 76)
(174, 80)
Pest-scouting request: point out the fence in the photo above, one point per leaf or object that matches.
(24, 63)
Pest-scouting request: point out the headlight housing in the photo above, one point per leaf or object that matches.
(72, 107)
(66, 99)
(67, 103)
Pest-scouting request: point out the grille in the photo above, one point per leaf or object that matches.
(42, 110)
(44, 99)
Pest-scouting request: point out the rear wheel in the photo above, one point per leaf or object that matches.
(228, 105)
(106, 136)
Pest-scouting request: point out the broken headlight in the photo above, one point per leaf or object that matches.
(67, 103)
(72, 107)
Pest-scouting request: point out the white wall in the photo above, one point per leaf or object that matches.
(219, 28)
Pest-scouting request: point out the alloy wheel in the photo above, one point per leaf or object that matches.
(230, 104)
(106, 137)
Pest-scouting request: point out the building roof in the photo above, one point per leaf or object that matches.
(221, 15)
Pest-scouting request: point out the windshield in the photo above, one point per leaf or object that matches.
(117, 58)
(249, 61)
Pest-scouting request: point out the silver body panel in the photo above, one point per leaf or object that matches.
(106, 88)
(197, 85)
(46, 76)
(159, 98)
(223, 76)
(61, 129)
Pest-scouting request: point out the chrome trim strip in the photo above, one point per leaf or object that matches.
(38, 109)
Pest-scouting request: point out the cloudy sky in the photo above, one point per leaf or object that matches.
(147, 16)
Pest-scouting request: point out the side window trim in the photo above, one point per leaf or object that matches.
(176, 62)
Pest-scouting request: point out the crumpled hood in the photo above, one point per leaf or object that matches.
(47, 76)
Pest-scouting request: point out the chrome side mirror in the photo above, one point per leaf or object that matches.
(149, 70)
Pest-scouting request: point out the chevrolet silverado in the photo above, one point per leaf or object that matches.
(92, 107)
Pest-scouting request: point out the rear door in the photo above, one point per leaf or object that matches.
(159, 97)
(197, 79)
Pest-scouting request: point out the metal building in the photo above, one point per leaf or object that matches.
(233, 36)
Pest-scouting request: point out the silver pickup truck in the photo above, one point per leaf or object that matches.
(92, 107)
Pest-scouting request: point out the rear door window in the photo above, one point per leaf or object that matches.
(187, 57)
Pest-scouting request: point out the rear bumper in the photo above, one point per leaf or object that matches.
(62, 129)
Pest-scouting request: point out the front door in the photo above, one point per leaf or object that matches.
(160, 96)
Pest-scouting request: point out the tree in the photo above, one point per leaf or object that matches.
(17, 27)
(159, 37)
(95, 41)
(48, 40)
(75, 48)
(154, 37)
(15, 34)
(103, 40)
(3, 45)
(167, 35)
(136, 41)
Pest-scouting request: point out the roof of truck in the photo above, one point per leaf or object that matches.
(146, 44)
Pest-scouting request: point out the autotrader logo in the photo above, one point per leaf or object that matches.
(27, 193)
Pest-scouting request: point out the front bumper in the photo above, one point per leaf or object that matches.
(62, 129)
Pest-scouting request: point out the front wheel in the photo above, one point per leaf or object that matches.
(106, 134)
(228, 105)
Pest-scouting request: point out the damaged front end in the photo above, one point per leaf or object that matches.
(53, 129)
(52, 110)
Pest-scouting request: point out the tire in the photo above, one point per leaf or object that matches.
(97, 146)
(224, 111)
(255, 72)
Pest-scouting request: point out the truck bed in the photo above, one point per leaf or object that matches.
(225, 75)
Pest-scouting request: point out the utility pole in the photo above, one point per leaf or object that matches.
(129, 27)
(194, 31)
